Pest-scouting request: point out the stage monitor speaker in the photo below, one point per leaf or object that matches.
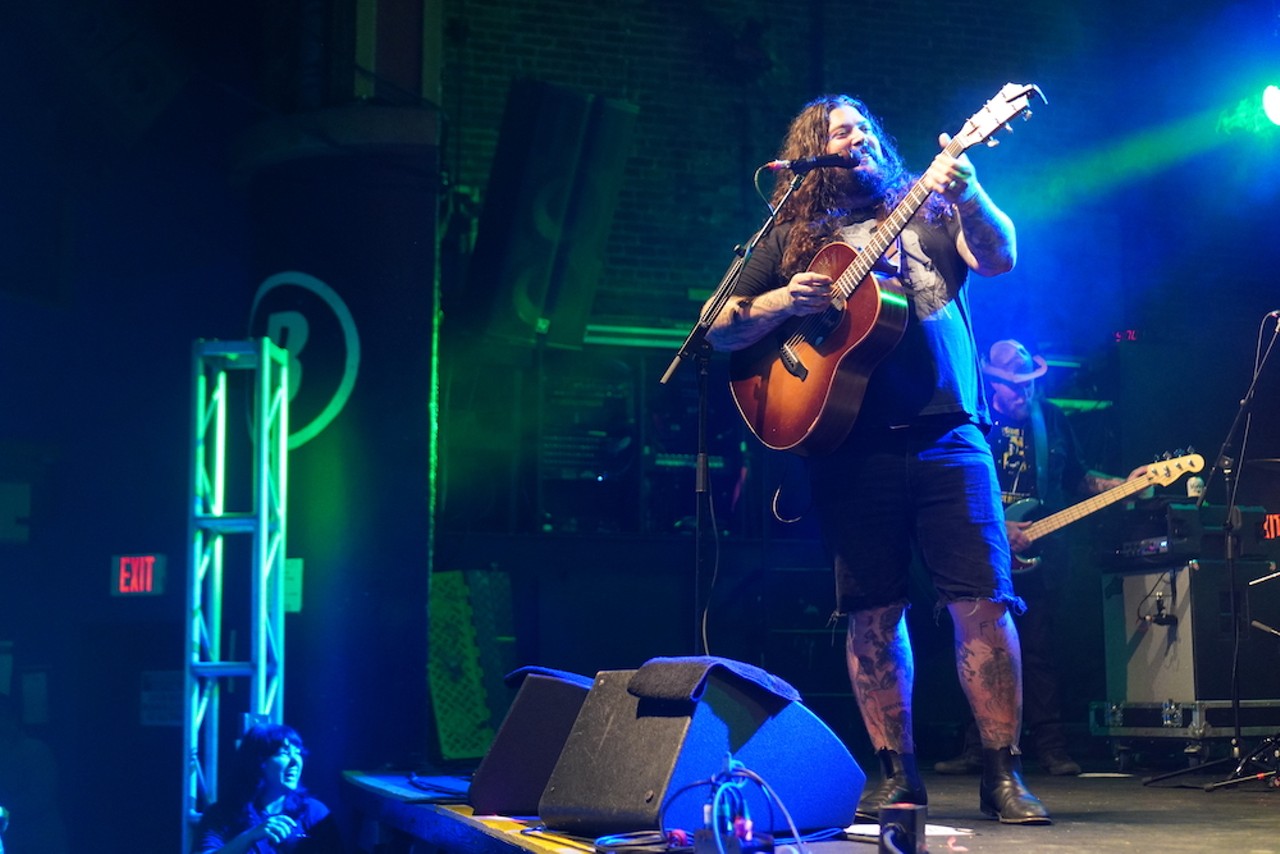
(512, 775)
(635, 759)
(548, 209)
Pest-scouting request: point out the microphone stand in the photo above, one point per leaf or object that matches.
(1231, 520)
(696, 347)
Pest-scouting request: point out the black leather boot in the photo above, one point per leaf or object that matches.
(900, 783)
(1002, 793)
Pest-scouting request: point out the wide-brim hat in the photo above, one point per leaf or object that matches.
(1008, 360)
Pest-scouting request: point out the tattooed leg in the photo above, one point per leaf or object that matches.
(989, 663)
(878, 652)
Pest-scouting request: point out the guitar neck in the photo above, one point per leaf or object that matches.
(1062, 518)
(887, 232)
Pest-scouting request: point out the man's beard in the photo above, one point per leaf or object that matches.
(864, 186)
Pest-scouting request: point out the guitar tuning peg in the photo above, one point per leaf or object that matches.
(1026, 115)
(992, 142)
(1166, 456)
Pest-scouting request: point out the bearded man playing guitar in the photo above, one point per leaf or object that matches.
(911, 467)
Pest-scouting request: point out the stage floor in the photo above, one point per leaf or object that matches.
(1093, 813)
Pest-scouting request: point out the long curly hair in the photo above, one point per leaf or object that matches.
(819, 206)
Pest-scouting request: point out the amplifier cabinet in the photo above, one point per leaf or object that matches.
(1169, 633)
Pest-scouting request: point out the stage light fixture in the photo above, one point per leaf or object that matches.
(1271, 103)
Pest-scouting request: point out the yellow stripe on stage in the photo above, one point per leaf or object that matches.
(524, 833)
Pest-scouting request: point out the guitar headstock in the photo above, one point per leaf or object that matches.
(1013, 100)
(1166, 471)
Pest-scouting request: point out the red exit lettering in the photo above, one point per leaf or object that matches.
(1271, 526)
(137, 574)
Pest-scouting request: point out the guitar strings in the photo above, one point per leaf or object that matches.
(895, 222)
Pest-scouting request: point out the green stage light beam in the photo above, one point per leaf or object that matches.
(1254, 115)
(1066, 182)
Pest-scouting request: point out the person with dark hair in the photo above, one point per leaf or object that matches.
(913, 472)
(263, 806)
(28, 788)
(1038, 459)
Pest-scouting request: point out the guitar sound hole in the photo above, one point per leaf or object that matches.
(827, 321)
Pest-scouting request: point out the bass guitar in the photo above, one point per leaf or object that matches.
(1163, 472)
(800, 388)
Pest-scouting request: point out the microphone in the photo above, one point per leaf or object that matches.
(808, 164)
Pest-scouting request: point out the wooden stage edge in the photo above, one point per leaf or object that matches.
(401, 813)
(1099, 812)
(390, 807)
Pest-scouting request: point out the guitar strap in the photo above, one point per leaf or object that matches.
(1040, 442)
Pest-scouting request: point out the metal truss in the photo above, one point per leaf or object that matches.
(220, 368)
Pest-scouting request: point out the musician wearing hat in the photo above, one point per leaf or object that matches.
(1038, 463)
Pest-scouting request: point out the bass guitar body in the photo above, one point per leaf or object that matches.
(1026, 510)
(801, 388)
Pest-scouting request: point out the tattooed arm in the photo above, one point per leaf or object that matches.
(744, 321)
(763, 300)
(987, 240)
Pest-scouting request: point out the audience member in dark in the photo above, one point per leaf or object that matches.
(263, 807)
(28, 788)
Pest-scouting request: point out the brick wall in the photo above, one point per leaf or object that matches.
(716, 82)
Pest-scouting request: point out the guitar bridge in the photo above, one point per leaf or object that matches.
(792, 362)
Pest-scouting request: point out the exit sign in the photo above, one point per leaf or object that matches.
(137, 575)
